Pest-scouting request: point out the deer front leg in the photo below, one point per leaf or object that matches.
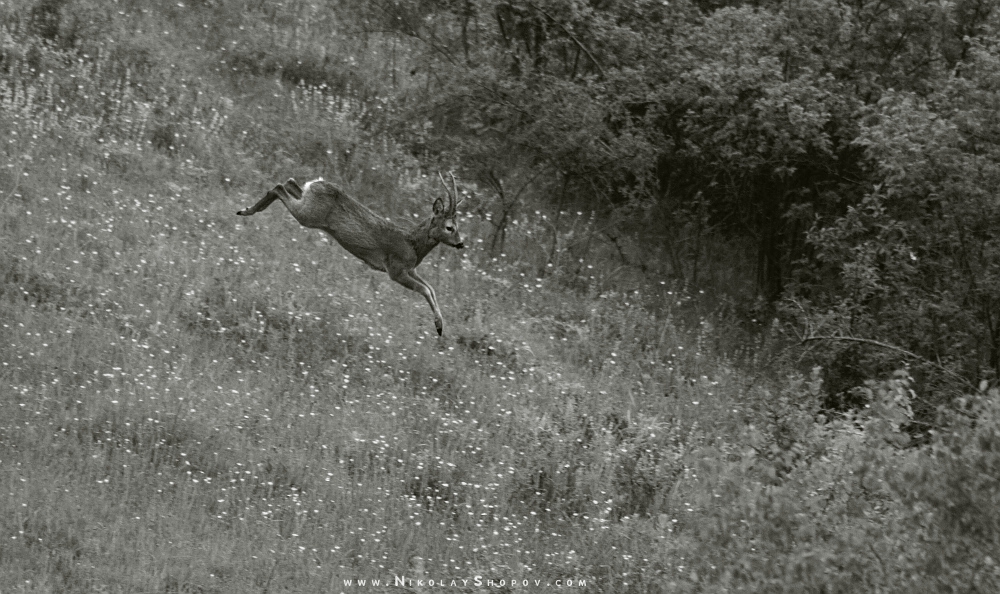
(412, 281)
(264, 202)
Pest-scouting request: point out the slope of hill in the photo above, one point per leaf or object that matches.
(193, 402)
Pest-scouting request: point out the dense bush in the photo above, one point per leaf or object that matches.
(701, 128)
(915, 264)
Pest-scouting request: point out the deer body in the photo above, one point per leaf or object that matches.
(379, 243)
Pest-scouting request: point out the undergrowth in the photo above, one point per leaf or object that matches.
(192, 402)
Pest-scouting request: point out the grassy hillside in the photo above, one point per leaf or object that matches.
(195, 402)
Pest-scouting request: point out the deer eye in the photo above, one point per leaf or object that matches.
(449, 228)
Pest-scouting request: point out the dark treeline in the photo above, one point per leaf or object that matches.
(852, 144)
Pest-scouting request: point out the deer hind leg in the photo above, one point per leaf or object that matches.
(411, 280)
(277, 193)
(293, 188)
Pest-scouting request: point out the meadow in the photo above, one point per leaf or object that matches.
(195, 402)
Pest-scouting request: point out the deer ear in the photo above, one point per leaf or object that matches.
(438, 207)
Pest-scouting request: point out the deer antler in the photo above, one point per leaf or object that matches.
(452, 192)
(444, 183)
(454, 188)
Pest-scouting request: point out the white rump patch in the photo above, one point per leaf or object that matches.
(305, 188)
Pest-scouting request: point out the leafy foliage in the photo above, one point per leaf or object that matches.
(698, 124)
(917, 261)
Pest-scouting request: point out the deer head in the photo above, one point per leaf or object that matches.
(444, 228)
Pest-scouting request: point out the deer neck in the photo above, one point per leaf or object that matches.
(421, 240)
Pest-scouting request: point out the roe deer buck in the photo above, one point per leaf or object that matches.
(379, 243)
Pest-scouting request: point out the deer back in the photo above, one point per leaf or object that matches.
(358, 229)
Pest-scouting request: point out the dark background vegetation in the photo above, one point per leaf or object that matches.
(731, 319)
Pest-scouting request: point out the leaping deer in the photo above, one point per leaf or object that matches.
(377, 242)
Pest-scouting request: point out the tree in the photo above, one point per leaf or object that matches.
(917, 263)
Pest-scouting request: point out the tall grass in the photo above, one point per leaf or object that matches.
(193, 402)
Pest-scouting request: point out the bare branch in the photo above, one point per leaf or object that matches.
(572, 37)
(889, 347)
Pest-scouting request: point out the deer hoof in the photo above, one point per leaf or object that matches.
(439, 326)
